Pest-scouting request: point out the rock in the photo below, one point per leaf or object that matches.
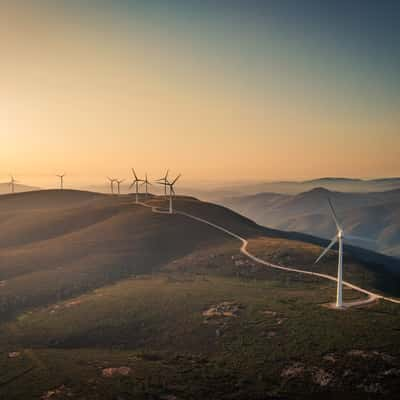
(111, 372)
(322, 377)
(373, 387)
(391, 372)
(224, 309)
(293, 371)
(329, 357)
(269, 313)
(271, 334)
(59, 392)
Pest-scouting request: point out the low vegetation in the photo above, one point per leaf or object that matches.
(167, 308)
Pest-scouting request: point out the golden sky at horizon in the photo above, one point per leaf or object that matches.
(93, 95)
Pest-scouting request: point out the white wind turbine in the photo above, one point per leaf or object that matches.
(164, 180)
(338, 238)
(12, 184)
(171, 190)
(61, 181)
(112, 180)
(135, 183)
(146, 183)
(118, 182)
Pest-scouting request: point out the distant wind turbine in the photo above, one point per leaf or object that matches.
(12, 184)
(339, 237)
(164, 180)
(118, 182)
(61, 181)
(112, 180)
(171, 190)
(146, 183)
(135, 183)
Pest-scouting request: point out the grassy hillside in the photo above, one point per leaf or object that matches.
(280, 343)
(102, 298)
(47, 254)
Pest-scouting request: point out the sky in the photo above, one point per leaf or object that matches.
(222, 91)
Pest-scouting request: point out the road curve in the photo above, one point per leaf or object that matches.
(371, 297)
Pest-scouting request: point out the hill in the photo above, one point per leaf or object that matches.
(374, 215)
(102, 298)
(5, 188)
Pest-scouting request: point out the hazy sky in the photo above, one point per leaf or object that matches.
(217, 90)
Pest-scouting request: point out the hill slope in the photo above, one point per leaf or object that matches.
(101, 298)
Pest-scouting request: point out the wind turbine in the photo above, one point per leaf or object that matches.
(147, 183)
(61, 181)
(135, 183)
(171, 190)
(339, 237)
(118, 182)
(112, 180)
(12, 184)
(164, 180)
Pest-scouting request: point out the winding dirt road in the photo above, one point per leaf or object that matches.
(371, 297)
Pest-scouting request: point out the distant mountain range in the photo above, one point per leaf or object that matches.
(219, 193)
(373, 215)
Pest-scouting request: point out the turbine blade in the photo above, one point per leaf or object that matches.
(176, 179)
(334, 216)
(134, 173)
(334, 240)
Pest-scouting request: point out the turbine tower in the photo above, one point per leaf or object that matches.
(164, 180)
(135, 183)
(338, 238)
(61, 181)
(146, 183)
(171, 190)
(112, 180)
(12, 184)
(118, 182)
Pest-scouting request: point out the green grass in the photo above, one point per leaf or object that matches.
(155, 326)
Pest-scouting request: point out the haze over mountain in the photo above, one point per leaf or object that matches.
(373, 215)
(220, 192)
